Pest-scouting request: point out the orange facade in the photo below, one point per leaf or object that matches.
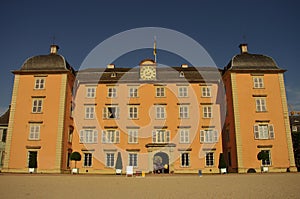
(159, 119)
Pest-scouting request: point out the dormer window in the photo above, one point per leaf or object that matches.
(113, 74)
(181, 74)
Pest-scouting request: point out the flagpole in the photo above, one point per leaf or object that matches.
(154, 49)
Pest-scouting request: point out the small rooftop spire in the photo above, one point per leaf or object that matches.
(243, 48)
(53, 49)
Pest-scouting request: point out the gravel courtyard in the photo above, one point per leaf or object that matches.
(283, 185)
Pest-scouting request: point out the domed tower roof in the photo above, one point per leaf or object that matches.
(248, 61)
(50, 62)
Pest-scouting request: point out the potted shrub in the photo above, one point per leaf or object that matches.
(119, 164)
(222, 164)
(32, 164)
(263, 156)
(75, 156)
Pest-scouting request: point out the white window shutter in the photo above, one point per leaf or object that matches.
(117, 136)
(117, 112)
(95, 136)
(256, 131)
(81, 138)
(168, 136)
(202, 136)
(153, 136)
(104, 113)
(216, 136)
(103, 137)
(271, 131)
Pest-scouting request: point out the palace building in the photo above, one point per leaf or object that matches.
(179, 119)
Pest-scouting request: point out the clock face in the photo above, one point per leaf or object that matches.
(148, 73)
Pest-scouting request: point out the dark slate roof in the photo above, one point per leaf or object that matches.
(163, 74)
(4, 119)
(51, 62)
(247, 61)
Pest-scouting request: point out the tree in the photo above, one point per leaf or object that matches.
(75, 156)
(222, 162)
(119, 164)
(262, 155)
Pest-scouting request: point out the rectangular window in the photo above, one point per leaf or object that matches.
(160, 136)
(89, 136)
(160, 92)
(209, 136)
(111, 136)
(133, 92)
(160, 112)
(185, 160)
(70, 137)
(133, 136)
(264, 131)
(90, 92)
(4, 134)
(206, 91)
(209, 159)
(37, 105)
(267, 162)
(32, 159)
(261, 104)
(111, 112)
(87, 160)
(133, 159)
(111, 92)
(294, 128)
(258, 82)
(34, 132)
(89, 112)
(183, 91)
(110, 159)
(133, 112)
(39, 83)
(207, 111)
(183, 111)
(184, 136)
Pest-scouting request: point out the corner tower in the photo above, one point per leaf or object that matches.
(40, 122)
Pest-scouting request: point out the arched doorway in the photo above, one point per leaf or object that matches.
(161, 163)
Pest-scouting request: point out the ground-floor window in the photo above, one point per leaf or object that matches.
(185, 159)
(87, 160)
(110, 159)
(267, 162)
(209, 159)
(133, 159)
(32, 159)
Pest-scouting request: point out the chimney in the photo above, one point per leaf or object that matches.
(53, 49)
(184, 66)
(110, 66)
(243, 48)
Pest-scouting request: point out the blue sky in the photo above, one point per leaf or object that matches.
(269, 27)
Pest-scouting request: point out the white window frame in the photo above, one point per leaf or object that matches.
(209, 159)
(161, 136)
(183, 91)
(110, 136)
(261, 104)
(87, 159)
(133, 92)
(185, 159)
(184, 111)
(89, 112)
(264, 132)
(110, 160)
(184, 136)
(160, 91)
(34, 132)
(133, 135)
(209, 136)
(88, 136)
(90, 92)
(133, 159)
(207, 111)
(111, 92)
(206, 91)
(160, 112)
(39, 83)
(37, 105)
(258, 82)
(107, 114)
(133, 112)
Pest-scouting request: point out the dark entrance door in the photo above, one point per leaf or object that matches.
(161, 163)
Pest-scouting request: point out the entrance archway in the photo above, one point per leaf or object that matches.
(161, 163)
